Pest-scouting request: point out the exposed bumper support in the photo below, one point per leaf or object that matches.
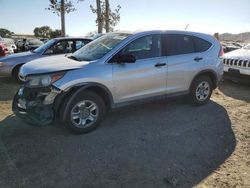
(35, 106)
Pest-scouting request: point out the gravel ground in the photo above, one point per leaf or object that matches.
(162, 144)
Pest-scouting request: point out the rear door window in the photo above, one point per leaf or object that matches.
(177, 44)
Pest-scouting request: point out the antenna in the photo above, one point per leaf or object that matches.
(186, 27)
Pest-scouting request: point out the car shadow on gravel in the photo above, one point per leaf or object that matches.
(235, 90)
(160, 144)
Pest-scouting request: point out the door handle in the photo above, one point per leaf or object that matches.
(198, 59)
(160, 64)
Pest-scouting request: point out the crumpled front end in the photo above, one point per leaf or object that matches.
(35, 105)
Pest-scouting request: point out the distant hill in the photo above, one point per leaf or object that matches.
(243, 37)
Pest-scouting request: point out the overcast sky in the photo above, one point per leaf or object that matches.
(209, 16)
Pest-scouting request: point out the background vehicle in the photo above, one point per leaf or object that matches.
(32, 44)
(229, 46)
(44, 40)
(10, 44)
(11, 64)
(118, 69)
(3, 50)
(237, 64)
(19, 45)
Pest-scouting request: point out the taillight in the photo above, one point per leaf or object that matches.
(221, 53)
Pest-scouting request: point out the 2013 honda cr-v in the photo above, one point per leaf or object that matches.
(118, 69)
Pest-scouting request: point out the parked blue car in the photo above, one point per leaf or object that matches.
(10, 65)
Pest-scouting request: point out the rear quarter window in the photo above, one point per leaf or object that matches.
(201, 45)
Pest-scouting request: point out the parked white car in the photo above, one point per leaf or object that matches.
(237, 64)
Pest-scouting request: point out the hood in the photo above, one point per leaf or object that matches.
(50, 64)
(17, 55)
(238, 54)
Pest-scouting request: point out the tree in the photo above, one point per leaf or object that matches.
(107, 8)
(5, 32)
(106, 18)
(61, 7)
(55, 33)
(42, 32)
(99, 15)
(46, 32)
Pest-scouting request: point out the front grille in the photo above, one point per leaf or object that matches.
(237, 62)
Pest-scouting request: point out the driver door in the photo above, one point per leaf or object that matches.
(147, 76)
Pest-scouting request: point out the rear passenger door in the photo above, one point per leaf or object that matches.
(185, 57)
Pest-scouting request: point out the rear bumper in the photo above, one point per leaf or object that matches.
(33, 110)
(219, 79)
(219, 73)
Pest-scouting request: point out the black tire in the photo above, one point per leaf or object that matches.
(204, 98)
(15, 74)
(72, 101)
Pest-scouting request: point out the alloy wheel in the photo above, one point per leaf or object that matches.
(84, 114)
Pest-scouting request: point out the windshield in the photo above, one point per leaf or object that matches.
(247, 47)
(99, 47)
(44, 46)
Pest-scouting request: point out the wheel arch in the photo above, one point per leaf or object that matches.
(15, 67)
(73, 91)
(210, 73)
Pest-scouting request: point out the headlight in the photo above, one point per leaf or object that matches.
(43, 80)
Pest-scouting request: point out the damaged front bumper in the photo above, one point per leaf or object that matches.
(35, 105)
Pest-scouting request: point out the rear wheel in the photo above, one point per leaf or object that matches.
(83, 113)
(201, 90)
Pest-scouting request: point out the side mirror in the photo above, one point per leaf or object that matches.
(126, 58)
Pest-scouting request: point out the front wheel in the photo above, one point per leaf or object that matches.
(201, 90)
(83, 113)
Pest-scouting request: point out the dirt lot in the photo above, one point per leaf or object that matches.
(160, 144)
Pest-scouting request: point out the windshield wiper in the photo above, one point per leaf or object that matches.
(74, 58)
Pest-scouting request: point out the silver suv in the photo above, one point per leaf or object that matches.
(115, 70)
